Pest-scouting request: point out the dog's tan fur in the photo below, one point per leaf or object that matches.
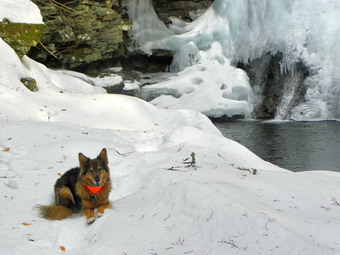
(71, 194)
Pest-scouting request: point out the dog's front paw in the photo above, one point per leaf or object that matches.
(99, 214)
(91, 220)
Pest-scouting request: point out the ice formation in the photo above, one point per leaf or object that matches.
(304, 31)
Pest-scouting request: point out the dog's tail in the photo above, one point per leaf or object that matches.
(55, 212)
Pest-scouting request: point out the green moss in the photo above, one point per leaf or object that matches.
(21, 37)
(84, 55)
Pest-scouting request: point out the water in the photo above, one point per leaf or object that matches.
(297, 146)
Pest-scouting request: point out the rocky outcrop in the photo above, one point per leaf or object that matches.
(277, 90)
(83, 33)
(20, 36)
(186, 10)
(80, 32)
(30, 83)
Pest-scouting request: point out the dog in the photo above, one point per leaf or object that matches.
(83, 189)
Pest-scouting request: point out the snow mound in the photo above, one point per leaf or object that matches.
(161, 204)
(20, 11)
(212, 87)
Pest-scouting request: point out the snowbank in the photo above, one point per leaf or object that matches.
(20, 11)
(212, 87)
(160, 204)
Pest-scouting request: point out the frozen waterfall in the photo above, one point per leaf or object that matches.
(207, 50)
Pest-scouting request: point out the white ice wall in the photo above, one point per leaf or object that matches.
(304, 30)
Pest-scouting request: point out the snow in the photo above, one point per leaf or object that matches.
(227, 201)
(304, 31)
(206, 73)
(20, 11)
(212, 87)
(108, 80)
(162, 204)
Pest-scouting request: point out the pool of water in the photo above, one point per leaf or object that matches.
(296, 146)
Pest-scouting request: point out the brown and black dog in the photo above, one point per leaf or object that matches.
(82, 189)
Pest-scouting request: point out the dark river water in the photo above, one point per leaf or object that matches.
(296, 146)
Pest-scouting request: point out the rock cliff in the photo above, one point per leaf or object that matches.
(186, 10)
(80, 32)
(277, 91)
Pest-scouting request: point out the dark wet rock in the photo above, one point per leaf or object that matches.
(274, 86)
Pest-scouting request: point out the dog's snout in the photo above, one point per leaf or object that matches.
(97, 179)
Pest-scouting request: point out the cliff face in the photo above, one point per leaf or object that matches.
(80, 32)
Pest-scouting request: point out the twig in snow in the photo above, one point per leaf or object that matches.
(191, 163)
(7, 177)
(207, 219)
(326, 208)
(269, 221)
(218, 154)
(250, 170)
(167, 217)
(169, 228)
(335, 202)
(180, 146)
(124, 154)
(187, 252)
(175, 168)
(179, 242)
(231, 242)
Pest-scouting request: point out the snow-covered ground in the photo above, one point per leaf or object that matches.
(162, 204)
(227, 201)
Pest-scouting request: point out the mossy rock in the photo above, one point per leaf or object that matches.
(30, 83)
(21, 37)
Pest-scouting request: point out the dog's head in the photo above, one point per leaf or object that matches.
(94, 172)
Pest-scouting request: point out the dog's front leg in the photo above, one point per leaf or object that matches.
(89, 213)
(100, 209)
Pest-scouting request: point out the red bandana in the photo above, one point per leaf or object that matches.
(94, 190)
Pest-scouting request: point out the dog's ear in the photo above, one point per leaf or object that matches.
(83, 160)
(103, 156)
